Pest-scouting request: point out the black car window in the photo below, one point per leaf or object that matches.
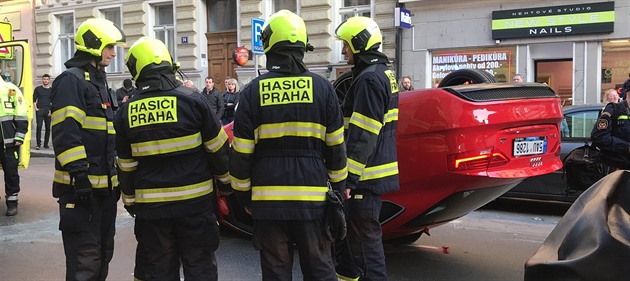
(578, 125)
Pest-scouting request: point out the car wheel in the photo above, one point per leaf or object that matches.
(405, 240)
(467, 76)
(342, 85)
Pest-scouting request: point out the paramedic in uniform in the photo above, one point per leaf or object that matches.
(170, 144)
(85, 180)
(370, 112)
(288, 143)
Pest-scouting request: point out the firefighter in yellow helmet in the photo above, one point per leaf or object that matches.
(14, 125)
(170, 144)
(370, 109)
(288, 143)
(85, 180)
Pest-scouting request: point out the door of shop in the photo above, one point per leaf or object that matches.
(220, 63)
(558, 74)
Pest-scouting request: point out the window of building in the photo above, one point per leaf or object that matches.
(64, 49)
(164, 26)
(615, 65)
(222, 15)
(496, 61)
(115, 15)
(291, 5)
(348, 9)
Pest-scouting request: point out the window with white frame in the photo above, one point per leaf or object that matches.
(291, 5)
(115, 16)
(348, 9)
(65, 40)
(164, 26)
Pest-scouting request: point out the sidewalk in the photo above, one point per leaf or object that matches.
(43, 152)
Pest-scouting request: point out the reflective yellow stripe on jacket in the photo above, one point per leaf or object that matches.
(289, 193)
(97, 181)
(176, 193)
(163, 146)
(291, 129)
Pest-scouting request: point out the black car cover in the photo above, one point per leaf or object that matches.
(592, 240)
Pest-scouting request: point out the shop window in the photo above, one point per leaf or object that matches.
(164, 26)
(496, 61)
(222, 15)
(115, 15)
(615, 64)
(65, 40)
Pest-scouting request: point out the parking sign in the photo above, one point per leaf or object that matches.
(257, 45)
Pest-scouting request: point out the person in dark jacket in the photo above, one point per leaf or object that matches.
(214, 98)
(370, 109)
(14, 125)
(611, 134)
(41, 105)
(288, 144)
(125, 92)
(85, 181)
(170, 145)
(230, 99)
(625, 88)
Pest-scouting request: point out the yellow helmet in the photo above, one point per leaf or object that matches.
(95, 34)
(146, 54)
(285, 29)
(361, 33)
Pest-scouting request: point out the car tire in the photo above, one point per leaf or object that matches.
(405, 240)
(342, 85)
(472, 76)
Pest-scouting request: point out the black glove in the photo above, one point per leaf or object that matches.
(131, 209)
(82, 188)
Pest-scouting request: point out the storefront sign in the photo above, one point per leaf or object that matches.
(402, 17)
(495, 61)
(553, 21)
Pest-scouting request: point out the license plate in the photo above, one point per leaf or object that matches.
(530, 146)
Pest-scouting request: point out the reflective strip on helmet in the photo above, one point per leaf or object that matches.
(379, 171)
(241, 184)
(289, 193)
(72, 154)
(216, 143)
(175, 193)
(334, 138)
(244, 146)
(127, 165)
(366, 123)
(164, 146)
(61, 114)
(291, 129)
(354, 167)
(391, 115)
(338, 175)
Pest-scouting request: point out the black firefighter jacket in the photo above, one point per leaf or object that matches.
(82, 130)
(170, 144)
(288, 143)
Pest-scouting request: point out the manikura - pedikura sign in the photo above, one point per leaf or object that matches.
(554, 21)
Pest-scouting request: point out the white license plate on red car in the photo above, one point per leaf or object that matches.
(529, 146)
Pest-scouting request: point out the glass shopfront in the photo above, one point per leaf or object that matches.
(496, 61)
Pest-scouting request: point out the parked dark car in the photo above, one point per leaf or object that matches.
(580, 120)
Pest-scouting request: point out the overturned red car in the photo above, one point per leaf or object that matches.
(459, 147)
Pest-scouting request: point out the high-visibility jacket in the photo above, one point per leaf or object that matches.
(370, 111)
(82, 130)
(170, 144)
(13, 114)
(288, 143)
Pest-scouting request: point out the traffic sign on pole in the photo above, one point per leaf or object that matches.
(257, 44)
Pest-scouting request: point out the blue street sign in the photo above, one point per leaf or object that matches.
(257, 44)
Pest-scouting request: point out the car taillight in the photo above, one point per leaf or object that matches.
(476, 160)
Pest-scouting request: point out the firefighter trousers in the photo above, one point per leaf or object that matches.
(190, 239)
(361, 254)
(9, 160)
(275, 240)
(88, 235)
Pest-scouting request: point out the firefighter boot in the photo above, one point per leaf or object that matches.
(12, 208)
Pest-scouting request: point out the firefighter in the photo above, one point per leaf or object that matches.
(611, 134)
(288, 143)
(14, 125)
(370, 111)
(85, 180)
(170, 144)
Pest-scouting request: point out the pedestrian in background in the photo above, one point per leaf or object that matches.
(167, 156)
(406, 84)
(231, 96)
(41, 105)
(125, 92)
(517, 78)
(284, 153)
(214, 98)
(85, 181)
(371, 111)
(611, 96)
(14, 125)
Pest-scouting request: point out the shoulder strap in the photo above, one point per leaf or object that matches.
(79, 73)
